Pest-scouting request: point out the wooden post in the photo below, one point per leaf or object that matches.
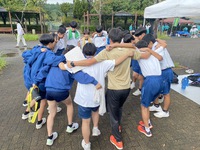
(42, 31)
(10, 17)
(112, 18)
(84, 20)
(26, 30)
(135, 20)
(88, 23)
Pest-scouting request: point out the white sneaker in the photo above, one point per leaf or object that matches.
(73, 128)
(95, 132)
(39, 126)
(132, 85)
(161, 114)
(86, 146)
(50, 141)
(154, 108)
(24, 117)
(58, 109)
(137, 92)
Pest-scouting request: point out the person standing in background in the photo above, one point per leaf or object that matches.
(20, 35)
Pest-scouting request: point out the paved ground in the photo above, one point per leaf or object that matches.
(181, 131)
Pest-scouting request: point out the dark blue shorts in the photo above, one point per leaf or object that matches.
(135, 67)
(86, 112)
(151, 88)
(42, 90)
(57, 96)
(167, 76)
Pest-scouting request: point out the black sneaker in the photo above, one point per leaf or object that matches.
(25, 104)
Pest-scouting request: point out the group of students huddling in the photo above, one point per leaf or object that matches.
(107, 55)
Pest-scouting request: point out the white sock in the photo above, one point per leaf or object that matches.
(147, 129)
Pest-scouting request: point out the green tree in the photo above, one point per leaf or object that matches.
(66, 8)
(80, 6)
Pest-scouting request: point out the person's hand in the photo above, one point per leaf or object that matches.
(34, 86)
(43, 49)
(109, 47)
(131, 53)
(98, 86)
(69, 64)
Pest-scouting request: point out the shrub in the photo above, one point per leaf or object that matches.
(163, 36)
(31, 37)
(91, 28)
(2, 63)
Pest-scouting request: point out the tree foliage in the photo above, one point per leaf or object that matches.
(80, 6)
(66, 8)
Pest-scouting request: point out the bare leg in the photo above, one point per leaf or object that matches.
(86, 130)
(51, 116)
(95, 118)
(141, 80)
(166, 102)
(41, 109)
(70, 109)
(145, 115)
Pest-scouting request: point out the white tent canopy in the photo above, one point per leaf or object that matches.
(173, 8)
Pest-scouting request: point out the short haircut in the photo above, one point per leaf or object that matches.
(99, 29)
(69, 48)
(149, 38)
(140, 31)
(141, 44)
(61, 30)
(86, 32)
(45, 39)
(126, 32)
(128, 38)
(89, 49)
(17, 21)
(73, 24)
(115, 35)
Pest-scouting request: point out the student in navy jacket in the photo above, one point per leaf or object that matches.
(38, 63)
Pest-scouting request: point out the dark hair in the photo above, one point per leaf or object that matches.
(141, 44)
(89, 49)
(86, 32)
(128, 38)
(62, 26)
(17, 21)
(120, 28)
(73, 24)
(149, 38)
(55, 36)
(115, 35)
(45, 39)
(108, 30)
(99, 29)
(140, 31)
(69, 48)
(126, 32)
(61, 30)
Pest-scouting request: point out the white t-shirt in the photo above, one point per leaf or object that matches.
(85, 92)
(59, 45)
(73, 41)
(100, 41)
(150, 66)
(167, 61)
(20, 31)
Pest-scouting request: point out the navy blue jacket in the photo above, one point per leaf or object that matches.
(59, 80)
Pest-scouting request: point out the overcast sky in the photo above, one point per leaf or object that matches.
(59, 1)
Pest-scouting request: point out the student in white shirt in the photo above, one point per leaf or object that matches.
(166, 64)
(84, 97)
(86, 38)
(100, 39)
(60, 45)
(73, 35)
(151, 88)
(20, 35)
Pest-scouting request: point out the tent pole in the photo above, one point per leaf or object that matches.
(144, 22)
